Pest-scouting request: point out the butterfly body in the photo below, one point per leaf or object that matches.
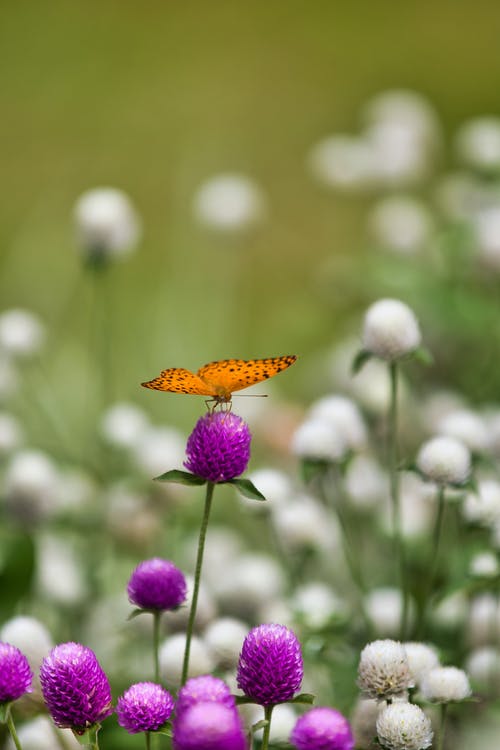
(218, 380)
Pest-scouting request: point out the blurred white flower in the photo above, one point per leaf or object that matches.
(461, 196)
(21, 333)
(477, 143)
(344, 416)
(486, 226)
(60, 572)
(343, 162)
(405, 107)
(129, 517)
(40, 733)
(123, 425)
(468, 427)
(106, 223)
(11, 434)
(401, 224)
(274, 484)
(30, 636)
(229, 202)
(363, 721)
(444, 460)
(483, 623)
(318, 439)
(171, 657)
(436, 406)
(159, 450)
(417, 507)
(277, 610)
(383, 670)
(483, 506)
(304, 523)
(404, 726)
(483, 667)
(251, 580)
(484, 565)
(365, 482)
(421, 658)
(316, 605)
(445, 684)
(31, 486)
(390, 329)
(225, 638)
(284, 718)
(206, 609)
(76, 489)
(384, 607)
(451, 611)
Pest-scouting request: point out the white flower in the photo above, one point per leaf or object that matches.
(123, 425)
(304, 523)
(317, 439)
(444, 460)
(486, 224)
(404, 726)
(384, 607)
(106, 223)
(31, 486)
(383, 670)
(343, 162)
(159, 450)
(478, 143)
(10, 433)
(467, 426)
(274, 484)
(41, 734)
(421, 658)
(451, 611)
(363, 722)
(284, 718)
(344, 416)
(445, 684)
(171, 657)
(484, 565)
(225, 637)
(401, 224)
(250, 581)
(390, 330)
(365, 482)
(206, 609)
(316, 605)
(483, 506)
(483, 626)
(483, 666)
(30, 636)
(229, 202)
(60, 573)
(417, 507)
(21, 333)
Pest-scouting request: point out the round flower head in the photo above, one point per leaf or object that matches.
(383, 669)
(74, 687)
(318, 440)
(144, 707)
(208, 726)
(229, 202)
(421, 659)
(322, 729)
(106, 223)
(157, 584)
(390, 330)
(444, 460)
(203, 689)
(404, 726)
(445, 684)
(270, 668)
(15, 673)
(218, 449)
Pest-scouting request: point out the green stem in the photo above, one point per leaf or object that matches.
(12, 730)
(440, 741)
(197, 577)
(268, 710)
(156, 645)
(148, 740)
(393, 457)
(433, 567)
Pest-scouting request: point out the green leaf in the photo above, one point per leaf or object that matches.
(423, 355)
(17, 565)
(181, 477)
(359, 360)
(242, 700)
(307, 698)
(259, 725)
(247, 488)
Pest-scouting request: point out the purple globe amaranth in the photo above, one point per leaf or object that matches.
(209, 726)
(15, 673)
(144, 707)
(218, 449)
(75, 687)
(157, 584)
(270, 667)
(322, 728)
(204, 689)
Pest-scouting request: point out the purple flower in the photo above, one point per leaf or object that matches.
(15, 673)
(74, 687)
(203, 689)
(322, 729)
(157, 584)
(209, 726)
(218, 449)
(270, 668)
(144, 707)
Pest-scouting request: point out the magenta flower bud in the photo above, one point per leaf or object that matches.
(270, 668)
(15, 673)
(322, 728)
(204, 689)
(209, 726)
(144, 707)
(74, 687)
(218, 449)
(157, 584)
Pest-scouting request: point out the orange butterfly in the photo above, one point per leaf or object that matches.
(220, 379)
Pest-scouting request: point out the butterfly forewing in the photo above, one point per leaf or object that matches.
(179, 380)
(229, 375)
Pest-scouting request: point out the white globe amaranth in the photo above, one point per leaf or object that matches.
(274, 484)
(421, 658)
(31, 485)
(206, 610)
(365, 482)
(107, 225)
(401, 224)
(317, 605)
(390, 330)
(41, 734)
(444, 460)
(304, 524)
(60, 571)
(483, 506)
(251, 580)
(171, 655)
(467, 426)
(11, 434)
(343, 162)
(363, 722)
(22, 334)
(123, 425)
(483, 668)
(224, 638)
(384, 671)
(484, 565)
(30, 636)
(318, 440)
(384, 607)
(477, 143)
(445, 684)
(229, 202)
(404, 726)
(284, 718)
(159, 450)
(344, 416)
(483, 623)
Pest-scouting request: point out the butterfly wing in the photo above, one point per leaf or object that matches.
(179, 380)
(229, 375)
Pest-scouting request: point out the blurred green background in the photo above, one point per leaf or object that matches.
(154, 98)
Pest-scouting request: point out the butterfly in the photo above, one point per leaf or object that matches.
(221, 378)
